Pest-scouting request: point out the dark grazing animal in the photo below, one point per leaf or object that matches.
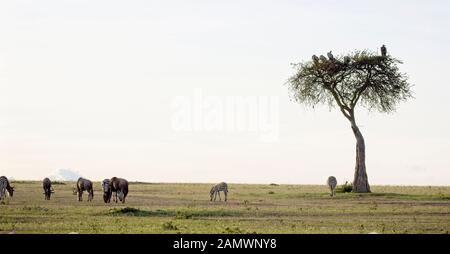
(107, 193)
(216, 189)
(84, 185)
(332, 183)
(120, 187)
(48, 190)
(5, 187)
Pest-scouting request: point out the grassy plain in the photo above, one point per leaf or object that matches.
(185, 208)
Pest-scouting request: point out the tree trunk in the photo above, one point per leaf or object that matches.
(360, 180)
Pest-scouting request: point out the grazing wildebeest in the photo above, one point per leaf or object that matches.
(332, 183)
(120, 187)
(48, 190)
(84, 185)
(5, 187)
(216, 189)
(107, 193)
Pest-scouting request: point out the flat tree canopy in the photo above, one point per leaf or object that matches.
(359, 78)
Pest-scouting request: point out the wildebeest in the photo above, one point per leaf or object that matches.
(48, 190)
(216, 189)
(84, 185)
(332, 183)
(107, 193)
(5, 187)
(120, 187)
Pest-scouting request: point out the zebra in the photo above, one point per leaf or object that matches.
(332, 183)
(216, 189)
(48, 190)
(84, 185)
(5, 188)
(120, 187)
(107, 193)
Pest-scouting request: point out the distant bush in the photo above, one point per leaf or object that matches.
(19, 181)
(271, 192)
(274, 184)
(58, 183)
(346, 187)
(141, 183)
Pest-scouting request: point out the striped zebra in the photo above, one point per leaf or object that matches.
(332, 183)
(216, 189)
(5, 188)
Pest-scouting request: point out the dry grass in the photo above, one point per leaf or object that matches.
(185, 208)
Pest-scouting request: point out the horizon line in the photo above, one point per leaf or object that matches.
(238, 183)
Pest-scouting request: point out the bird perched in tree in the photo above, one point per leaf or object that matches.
(323, 58)
(347, 60)
(330, 56)
(315, 59)
(383, 50)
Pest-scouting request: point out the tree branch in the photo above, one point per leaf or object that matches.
(340, 104)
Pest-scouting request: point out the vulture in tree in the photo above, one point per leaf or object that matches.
(383, 50)
(347, 60)
(330, 56)
(323, 58)
(315, 59)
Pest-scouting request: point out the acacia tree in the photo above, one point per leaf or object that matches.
(359, 78)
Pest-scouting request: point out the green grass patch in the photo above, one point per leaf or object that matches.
(169, 225)
(185, 208)
(130, 211)
(177, 214)
(35, 209)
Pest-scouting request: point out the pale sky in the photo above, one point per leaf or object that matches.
(91, 86)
